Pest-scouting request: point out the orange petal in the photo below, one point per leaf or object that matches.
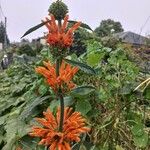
(53, 146)
(67, 146)
(64, 23)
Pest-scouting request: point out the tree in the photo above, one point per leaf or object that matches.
(107, 27)
(80, 38)
(2, 33)
(26, 49)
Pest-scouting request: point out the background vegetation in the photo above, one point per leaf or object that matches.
(117, 113)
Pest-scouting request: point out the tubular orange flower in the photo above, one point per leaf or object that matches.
(58, 36)
(66, 73)
(73, 127)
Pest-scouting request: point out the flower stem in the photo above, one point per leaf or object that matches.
(60, 95)
(61, 111)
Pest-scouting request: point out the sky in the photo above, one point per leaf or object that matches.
(134, 15)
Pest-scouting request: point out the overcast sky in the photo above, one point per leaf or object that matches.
(23, 14)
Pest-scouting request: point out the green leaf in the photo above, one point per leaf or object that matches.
(30, 143)
(54, 104)
(127, 89)
(140, 137)
(15, 129)
(3, 119)
(18, 90)
(82, 147)
(29, 108)
(83, 106)
(119, 148)
(43, 89)
(141, 141)
(82, 66)
(146, 92)
(1, 135)
(93, 59)
(12, 139)
(82, 91)
(6, 104)
(1, 139)
(68, 101)
(34, 28)
(137, 130)
(94, 148)
(83, 25)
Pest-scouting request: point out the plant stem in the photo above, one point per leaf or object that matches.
(60, 95)
(61, 111)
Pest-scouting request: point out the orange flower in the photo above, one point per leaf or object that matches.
(73, 127)
(58, 36)
(66, 74)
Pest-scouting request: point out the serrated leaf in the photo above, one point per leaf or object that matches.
(82, 66)
(82, 91)
(83, 106)
(34, 28)
(28, 109)
(83, 25)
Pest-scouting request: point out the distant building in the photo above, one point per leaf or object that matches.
(131, 38)
(40, 40)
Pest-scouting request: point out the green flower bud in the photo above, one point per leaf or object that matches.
(58, 9)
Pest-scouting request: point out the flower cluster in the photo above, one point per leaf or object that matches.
(58, 132)
(63, 81)
(58, 35)
(73, 127)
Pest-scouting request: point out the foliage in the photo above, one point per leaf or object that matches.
(109, 93)
(19, 98)
(107, 27)
(113, 108)
(110, 41)
(81, 36)
(26, 49)
(2, 33)
(114, 111)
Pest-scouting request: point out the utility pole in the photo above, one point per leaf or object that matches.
(5, 35)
